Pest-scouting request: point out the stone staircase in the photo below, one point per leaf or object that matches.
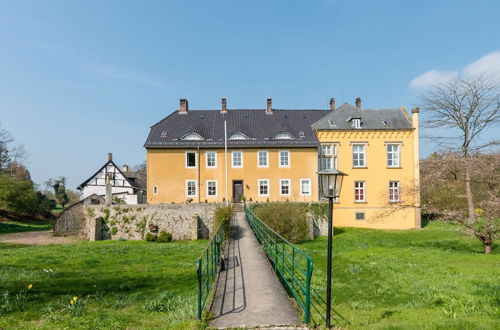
(238, 207)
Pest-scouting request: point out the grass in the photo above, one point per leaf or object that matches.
(118, 285)
(434, 278)
(16, 226)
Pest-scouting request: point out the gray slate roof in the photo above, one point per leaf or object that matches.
(254, 123)
(382, 119)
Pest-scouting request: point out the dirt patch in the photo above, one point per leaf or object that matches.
(35, 238)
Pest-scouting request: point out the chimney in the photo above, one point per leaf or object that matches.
(332, 104)
(125, 168)
(269, 109)
(358, 103)
(223, 105)
(110, 156)
(109, 195)
(183, 108)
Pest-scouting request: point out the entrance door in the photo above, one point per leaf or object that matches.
(237, 190)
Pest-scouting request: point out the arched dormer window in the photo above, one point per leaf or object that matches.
(192, 137)
(238, 136)
(283, 136)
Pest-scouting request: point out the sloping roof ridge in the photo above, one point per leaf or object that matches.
(100, 169)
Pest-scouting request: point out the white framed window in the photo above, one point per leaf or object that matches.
(359, 191)
(212, 188)
(328, 157)
(393, 155)
(191, 159)
(192, 137)
(284, 158)
(262, 158)
(238, 136)
(211, 157)
(394, 191)
(358, 155)
(356, 123)
(360, 216)
(237, 159)
(263, 187)
(305, 187)
(285, 187)
(283, 136)
(155, 190)
(191, 188)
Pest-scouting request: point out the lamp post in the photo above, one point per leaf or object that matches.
(330, 183)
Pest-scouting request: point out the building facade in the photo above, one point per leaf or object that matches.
(274, 155)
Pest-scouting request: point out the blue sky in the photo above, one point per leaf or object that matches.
(79, 79)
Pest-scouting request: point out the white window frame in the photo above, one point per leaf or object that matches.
(258, 159)
(289, 187)
(288, 157)
(397, 189)
(155, 190)
(268, 187)
(398, 154)
(364, 191)
(310, 187)
(232, 159)
(186, 159)
(216, 188)
(354, 145)
(332, 155)
(206, 158)
(356, 123)
(195, 188)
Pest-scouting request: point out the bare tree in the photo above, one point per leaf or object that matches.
(467, 107)
(10, 153)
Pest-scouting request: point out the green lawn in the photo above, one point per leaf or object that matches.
(15, 226)
(118, 284)
(434, 278)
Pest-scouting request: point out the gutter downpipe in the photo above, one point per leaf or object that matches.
(225, 159)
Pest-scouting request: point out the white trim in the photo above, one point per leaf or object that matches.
(267, 159)
(310, 187)
(398, 189)
(195, 188)
(364, 191)
(289, 158)
(387, 155)
(192, 137)
(232, 159)
(186, 159)
(289, 187)
(216, 189)
(364, 155)
(206, 158)
(240, 136)
(268, 187)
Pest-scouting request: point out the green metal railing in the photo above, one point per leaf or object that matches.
(291, 264)
(208, 268)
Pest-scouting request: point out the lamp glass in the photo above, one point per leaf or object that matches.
(330, 183)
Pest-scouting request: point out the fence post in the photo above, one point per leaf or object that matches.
(199, 288)
(307, 310)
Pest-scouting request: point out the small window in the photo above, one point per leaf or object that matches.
(283, 136)
(356, 123)
(264, 187)
(359, 191)
(394, 192)
(238, 136)
(284, 158)
(285, 187)
(305, 187)
(393, 155)
(164, 133)
(190, 188)
(192, 137)
(358, 155)
(237, 159)
(360, 216)
(262, 160)
(155, 190)
(331, 123)
(211, 188)
(190, 159)
(211, 159)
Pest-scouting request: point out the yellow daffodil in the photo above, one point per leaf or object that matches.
(75, 298)
(29, 286)
(71, 302)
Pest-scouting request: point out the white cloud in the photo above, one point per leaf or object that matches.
(489, 64)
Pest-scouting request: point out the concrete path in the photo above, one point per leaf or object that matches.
(35, 238)
(248, 292)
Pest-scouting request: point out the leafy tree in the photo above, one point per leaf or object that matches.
(60, 191)
(11, 155)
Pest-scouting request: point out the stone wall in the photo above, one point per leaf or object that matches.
(133, 222)
(71, 222)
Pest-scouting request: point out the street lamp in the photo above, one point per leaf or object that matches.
(330, 183)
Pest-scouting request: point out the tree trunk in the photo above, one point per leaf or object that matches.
(468, 193)
(487, 247)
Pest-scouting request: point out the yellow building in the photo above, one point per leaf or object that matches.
(274, 155)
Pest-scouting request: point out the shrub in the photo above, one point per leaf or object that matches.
(288, 219)
(114, 230)
(164, 237)
(222, 217)
(150, 237)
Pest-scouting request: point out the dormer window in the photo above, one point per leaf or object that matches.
(238, 136)
(283, 136)
(356, 123)
(192, 137)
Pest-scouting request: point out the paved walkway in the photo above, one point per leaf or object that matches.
(35, 238)
(248, 292)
